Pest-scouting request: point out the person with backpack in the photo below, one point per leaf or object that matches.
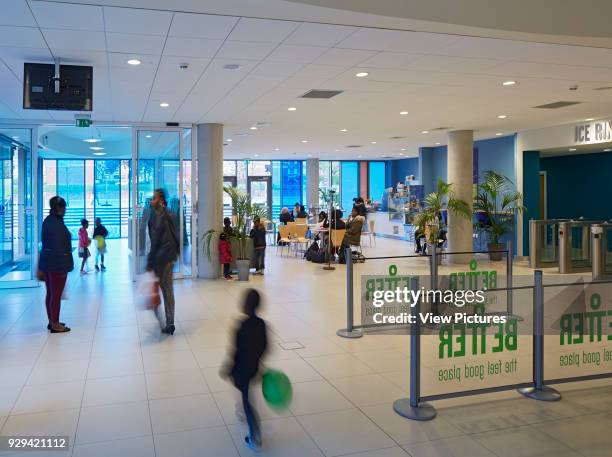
(164, 252)
(99, 235)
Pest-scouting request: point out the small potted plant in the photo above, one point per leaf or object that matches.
(434, 204)
(243, 209)
(496, 203)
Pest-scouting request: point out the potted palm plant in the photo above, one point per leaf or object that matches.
(243, 209)
(429, 218)
(496, 203)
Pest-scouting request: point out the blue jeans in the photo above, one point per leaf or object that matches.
(260, 256)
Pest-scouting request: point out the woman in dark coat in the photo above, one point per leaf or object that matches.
(55, 261)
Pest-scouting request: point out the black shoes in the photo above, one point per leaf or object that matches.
(61, 329)
(49, 325)
(169, 329)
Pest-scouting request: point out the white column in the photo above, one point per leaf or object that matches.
(312, 183)
(210, 193)
(460, 165)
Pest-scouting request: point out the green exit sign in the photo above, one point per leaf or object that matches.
(83, 122)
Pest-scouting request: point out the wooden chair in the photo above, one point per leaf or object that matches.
(301, 220)
(336, 237)
(285, 238)
(298, 236)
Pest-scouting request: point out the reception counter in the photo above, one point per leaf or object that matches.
(390, 225)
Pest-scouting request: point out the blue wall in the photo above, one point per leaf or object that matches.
(578, 185)
(497, 154)
(397, 170)
(531, 192)
(434, 166)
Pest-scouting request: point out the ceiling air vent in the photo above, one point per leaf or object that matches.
(556, 105)
(321, 93)
(603, 88)
(387, 157)
(355, 146)
(397, 137)
(440, 128)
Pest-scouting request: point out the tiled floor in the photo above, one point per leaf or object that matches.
(118, 387)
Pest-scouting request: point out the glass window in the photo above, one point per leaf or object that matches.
(260, 168)
(376, 180)
(49, 183)
(324, 180)
(126, 200)
(241, 173)
(305, 185)
(229, 168)
(71, 186)
(335, 176)
(276, 189)
(350, 184)
(108, 195)
(291, 182)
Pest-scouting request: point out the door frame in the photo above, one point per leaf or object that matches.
(544, 198)
(33, 209)
(267, 179)
(134, 245)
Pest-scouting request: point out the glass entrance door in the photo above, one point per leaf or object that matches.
(18, 233)
(260, 191)
(157, 155)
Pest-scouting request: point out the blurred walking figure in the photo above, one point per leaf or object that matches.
(55, 261)
(164, 252)
(250, 344)
(99, 235)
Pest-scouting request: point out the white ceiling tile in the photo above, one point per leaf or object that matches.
(192, 47)
(72, 16)
(14, 58)
(293, 53)
(97, 59)
(6, 112)
(391, 60)
(265, 30)
(245, 50)
(371, 39)
(21, 37)
(319, 34)
(553, 71)
(202, 26)
(75, 39)
(130, 20)
(135, 44)
(321, 71)
(347, 57)
(119, 61)
(17, 13)
(452, 64)
(421, 42)
(272, 68)
(482, 47)
(169, 75)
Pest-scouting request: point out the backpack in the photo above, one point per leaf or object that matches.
(319, 256)
(314, 247)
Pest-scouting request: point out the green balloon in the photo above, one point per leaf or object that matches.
(276, 389)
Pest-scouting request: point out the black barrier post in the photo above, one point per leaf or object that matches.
(412, 408)
(434, 276)
(539, 391)
(349, 331)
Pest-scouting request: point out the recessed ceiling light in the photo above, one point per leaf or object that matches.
(148, 136)
(134, 62)
(403, 113)
(589, 119)
(373, 142)
(362, 74)
(343, 130)
(292, 108)
(309, 155)
(164, 105)
(572, 149)
(438, 143)
(277, 149)
(253, 128)
(231, 66)
(96, 148)
(15, 137)
(425, 131)
(607, 149)
(304, 141)
(337, 150)
(359, 156)
(229, 140)
(403, 149)
(99, 153)
(92, 140)
(255, 155)
(508, 83)
(401, 153)
(499, 134)
(502, 116)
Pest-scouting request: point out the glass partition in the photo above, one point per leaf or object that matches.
(349, 185)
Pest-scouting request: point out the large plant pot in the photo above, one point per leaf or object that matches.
(496, 247)
(243, 266)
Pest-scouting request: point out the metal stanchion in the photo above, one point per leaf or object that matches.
(539, 391)
(412, 408)
(434, 276)
(349, 331)
(509, 284)
(329, 266)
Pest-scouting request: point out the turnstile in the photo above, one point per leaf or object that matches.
(601, 245)
(575, 246)
(544, 242)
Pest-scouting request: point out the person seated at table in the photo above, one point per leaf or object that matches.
(352, 236)
(322, 219)
(360, 205)
(285, 216)
(296, 210)
(440, 240)
(302, 213)
(335, 221)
